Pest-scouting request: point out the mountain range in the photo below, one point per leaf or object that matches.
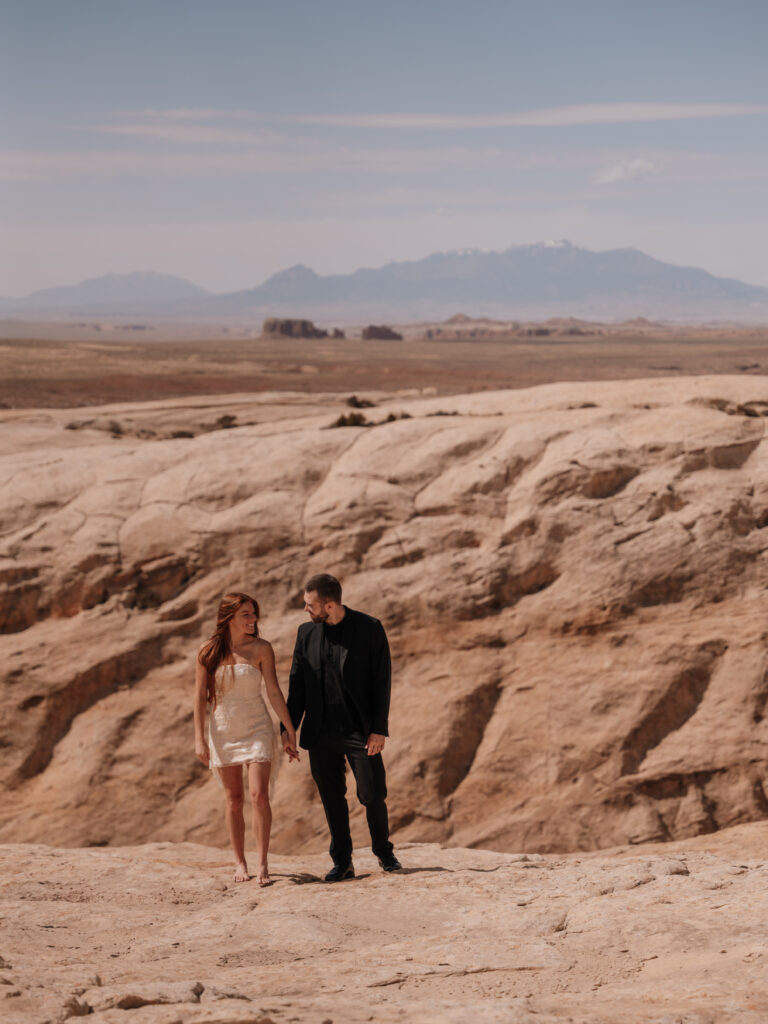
(522, 282)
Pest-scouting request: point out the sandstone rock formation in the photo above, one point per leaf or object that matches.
(573, 580)
(380, 332)
(159, 934)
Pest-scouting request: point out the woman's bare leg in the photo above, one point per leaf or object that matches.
(258, 782)
(232, 779)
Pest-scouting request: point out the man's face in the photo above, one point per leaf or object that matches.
(316, 608)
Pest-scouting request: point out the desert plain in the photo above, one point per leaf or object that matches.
(565, 537)
(92, 363)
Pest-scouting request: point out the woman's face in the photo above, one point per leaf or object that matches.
(244, 619)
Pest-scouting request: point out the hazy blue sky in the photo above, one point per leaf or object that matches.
(223, 140)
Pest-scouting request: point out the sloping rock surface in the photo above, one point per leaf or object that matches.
(572, 577)
(159, 934)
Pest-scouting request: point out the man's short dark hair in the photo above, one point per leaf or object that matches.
(326, 587)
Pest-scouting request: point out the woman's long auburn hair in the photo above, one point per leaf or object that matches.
(219, 648)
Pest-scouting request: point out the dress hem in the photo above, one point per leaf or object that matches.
(250, 760)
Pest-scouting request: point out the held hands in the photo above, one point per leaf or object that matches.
(202, 753)
(375, 744)
(289, 745)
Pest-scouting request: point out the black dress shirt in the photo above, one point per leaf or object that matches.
(339, 715)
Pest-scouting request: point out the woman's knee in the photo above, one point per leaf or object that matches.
(235, 801)
(260, 800)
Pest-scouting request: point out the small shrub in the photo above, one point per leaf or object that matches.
(226, 422)
(359, 403)
(183, 433)
(352, 419)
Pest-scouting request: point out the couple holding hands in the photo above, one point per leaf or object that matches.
(339, 685)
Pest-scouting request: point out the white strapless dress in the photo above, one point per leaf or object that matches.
(239, 727)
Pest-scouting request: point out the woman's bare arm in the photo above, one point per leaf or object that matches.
(276, 698)
(201, 699)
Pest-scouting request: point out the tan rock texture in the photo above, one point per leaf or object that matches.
(573, 579)
(158, 934)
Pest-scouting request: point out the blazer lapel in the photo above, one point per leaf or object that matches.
(314, 651)
(346, 640)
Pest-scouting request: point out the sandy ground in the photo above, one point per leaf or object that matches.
(160, 933)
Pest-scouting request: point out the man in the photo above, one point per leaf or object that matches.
(339, 685)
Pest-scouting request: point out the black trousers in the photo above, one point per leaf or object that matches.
(327, 762)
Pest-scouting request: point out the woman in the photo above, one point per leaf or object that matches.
(228, 676)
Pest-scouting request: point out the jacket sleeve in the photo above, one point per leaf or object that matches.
(296, 686)
(381, 672)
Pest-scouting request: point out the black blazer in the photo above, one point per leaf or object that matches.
(365, 675)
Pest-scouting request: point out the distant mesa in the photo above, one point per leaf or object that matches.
(462, 327)
(294, 327)
(286, 327)
(380, 332)
(642, 321)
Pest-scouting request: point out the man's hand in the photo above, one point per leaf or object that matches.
(202, 753)
(289, 745)
(375, 744)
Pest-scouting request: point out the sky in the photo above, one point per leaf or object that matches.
(225, 140)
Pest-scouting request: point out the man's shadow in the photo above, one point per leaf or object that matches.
(416, 871)
(306, 878)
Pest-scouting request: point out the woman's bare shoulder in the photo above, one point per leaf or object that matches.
(256, 650)
(251, 644)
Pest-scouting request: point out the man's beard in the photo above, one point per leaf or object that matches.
(320, 617)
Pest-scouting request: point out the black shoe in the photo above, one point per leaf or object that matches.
(390, 863)
(339, 872)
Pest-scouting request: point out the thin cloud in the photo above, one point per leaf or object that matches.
(41, 166)
(195, 114)
(188, 133)
(626, 170)
(548, 117)
(585, 114)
